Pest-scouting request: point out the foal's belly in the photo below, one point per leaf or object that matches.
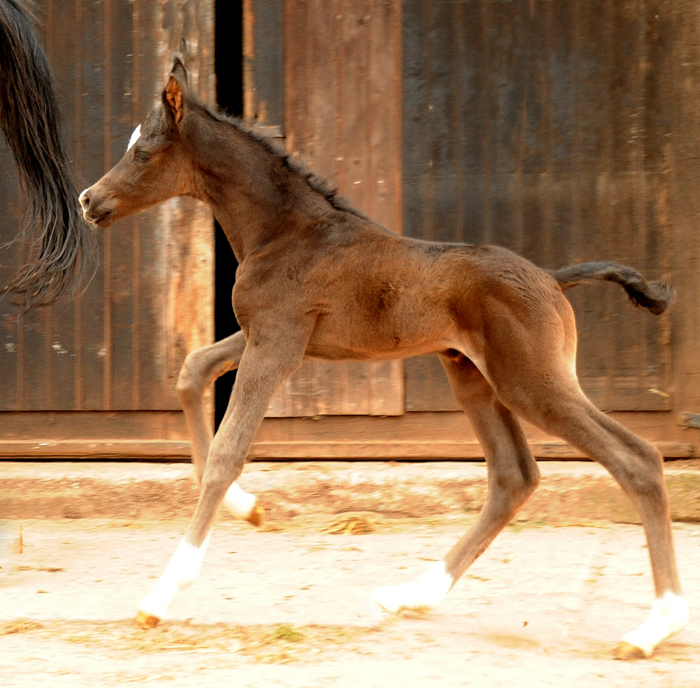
(338, 338)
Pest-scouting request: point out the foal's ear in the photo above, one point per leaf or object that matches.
(174, 93)
(178, 70)
(173, 100)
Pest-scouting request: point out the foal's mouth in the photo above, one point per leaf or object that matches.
(102, 220)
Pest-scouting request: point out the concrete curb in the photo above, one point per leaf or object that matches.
(570, 491)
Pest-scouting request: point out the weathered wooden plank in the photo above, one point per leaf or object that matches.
(681, 38)
(60, 319)
(380, 451)
(439, 449)
(534, 167)
(94, 425)
(36, 344)
(12, 354)
(416, 145)
(124, 267)
(187, 225)
(264, 60)
(36, 369)
(94, 449)
(150, 329)
(91, 165)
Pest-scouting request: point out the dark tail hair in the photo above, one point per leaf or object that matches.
(655, 296)
(29, 119)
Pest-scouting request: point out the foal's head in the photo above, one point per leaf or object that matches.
(155, 166)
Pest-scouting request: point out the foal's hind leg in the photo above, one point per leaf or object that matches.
(638, 467)
(200, 369)
(512, 477)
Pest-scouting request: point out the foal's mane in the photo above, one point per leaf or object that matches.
(293, 162)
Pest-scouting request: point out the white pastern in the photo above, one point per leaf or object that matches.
(183, 568)
(423, 593)
(134, 137)
(239, 502)
(669, 615)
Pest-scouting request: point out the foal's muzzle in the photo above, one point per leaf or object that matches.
(92, 212)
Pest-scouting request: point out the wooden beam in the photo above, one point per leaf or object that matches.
(380, 450)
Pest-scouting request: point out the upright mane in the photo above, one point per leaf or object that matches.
(292, 161)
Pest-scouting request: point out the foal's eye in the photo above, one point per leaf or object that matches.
(142, 156)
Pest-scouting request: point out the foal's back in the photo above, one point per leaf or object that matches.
(378, 294)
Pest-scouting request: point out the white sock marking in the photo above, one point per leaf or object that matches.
(425, 592)
(669, 614)
(239, 502)
(134, 137)
(183, 568)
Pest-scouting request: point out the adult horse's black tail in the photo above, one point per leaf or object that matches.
(654, 296)
(30, 121)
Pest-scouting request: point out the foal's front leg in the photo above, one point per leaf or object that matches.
(200, 369)
(262, 370)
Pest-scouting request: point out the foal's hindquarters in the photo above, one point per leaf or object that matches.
(527, 368)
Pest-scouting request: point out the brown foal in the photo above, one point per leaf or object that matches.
(318, 279)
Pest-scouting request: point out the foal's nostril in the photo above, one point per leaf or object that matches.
(84, 200)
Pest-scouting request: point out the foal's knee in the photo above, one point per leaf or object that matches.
(222, 469)
(215, 484)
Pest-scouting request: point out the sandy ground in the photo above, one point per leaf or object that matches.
(289, 606)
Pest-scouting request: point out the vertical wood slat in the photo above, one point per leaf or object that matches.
(91, 164)
(263, 61)
(680, 38)
(113, 347)
(11, 333)
(61, 334)
(121, 289)
(149, 234)
(560, 119)
(342, 112)
(187, 224)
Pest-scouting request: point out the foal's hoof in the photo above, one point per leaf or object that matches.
(256, 517)
(146, 621)
(628, 651)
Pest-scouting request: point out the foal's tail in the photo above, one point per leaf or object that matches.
(655, 296)
(29, 119)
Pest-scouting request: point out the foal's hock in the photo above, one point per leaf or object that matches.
(318, 279)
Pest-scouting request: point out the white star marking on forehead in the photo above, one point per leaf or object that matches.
(134, 137)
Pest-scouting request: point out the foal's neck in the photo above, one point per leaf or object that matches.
(252, 192)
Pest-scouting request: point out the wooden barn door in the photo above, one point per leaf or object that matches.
(545, 127)
(103, 364)
(328, 75)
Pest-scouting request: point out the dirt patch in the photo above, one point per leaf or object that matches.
(543, 606)
(263, 643)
